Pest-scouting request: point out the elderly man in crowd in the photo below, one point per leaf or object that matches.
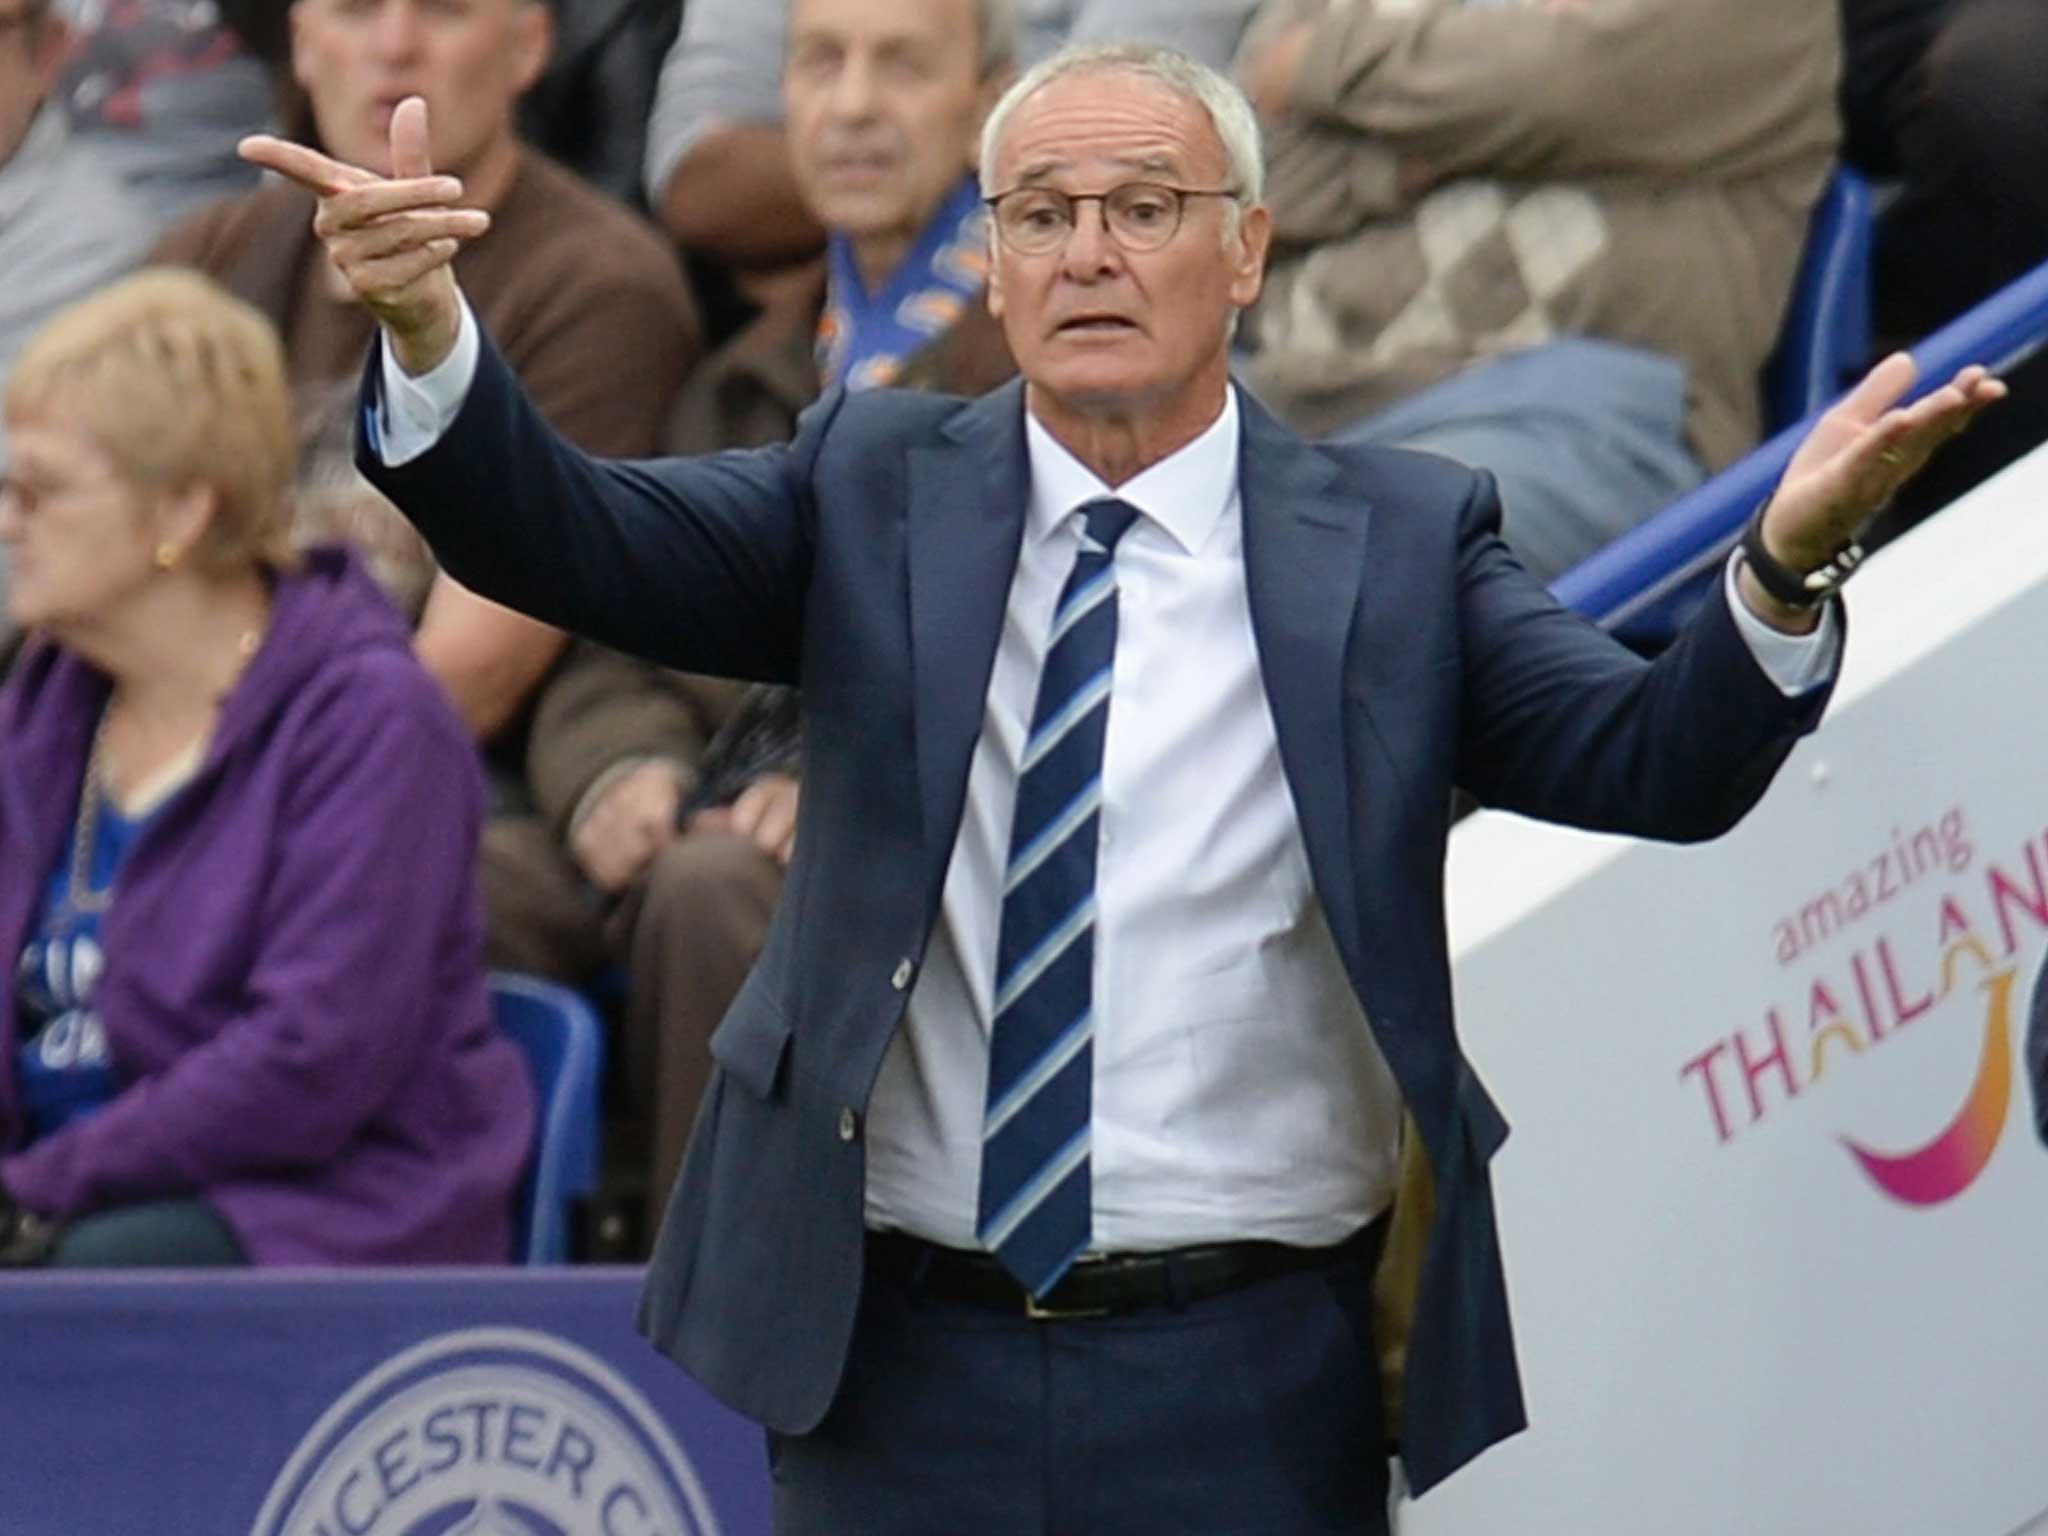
(1041, 1181)
(1551, 240)
(66, 224)
(655, 787)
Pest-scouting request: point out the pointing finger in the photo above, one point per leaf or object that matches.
(409, 154)
(308, 167)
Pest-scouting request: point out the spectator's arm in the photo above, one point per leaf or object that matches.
(734, 196)
(1684, 88)
(376, 859)
(489, 658)
(717, 166)
(1322, 180)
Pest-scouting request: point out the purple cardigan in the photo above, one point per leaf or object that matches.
(294, 994)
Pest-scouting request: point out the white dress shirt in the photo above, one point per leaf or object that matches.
(1238, 1092)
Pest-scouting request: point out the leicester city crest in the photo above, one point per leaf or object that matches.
(489, 1432)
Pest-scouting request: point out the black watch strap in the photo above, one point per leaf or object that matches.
(1796, 589)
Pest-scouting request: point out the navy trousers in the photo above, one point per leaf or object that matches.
(1252, 1413)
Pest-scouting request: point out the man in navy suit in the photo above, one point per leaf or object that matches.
(1040, 1185)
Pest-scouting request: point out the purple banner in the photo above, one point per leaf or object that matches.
(499, 1402)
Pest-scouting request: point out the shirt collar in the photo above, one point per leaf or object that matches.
(1186, 493)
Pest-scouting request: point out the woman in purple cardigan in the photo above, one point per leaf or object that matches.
(247, 1019)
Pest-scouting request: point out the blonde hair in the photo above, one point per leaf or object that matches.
(181, 385)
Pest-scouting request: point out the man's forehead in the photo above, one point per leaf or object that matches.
(1107, 121)
(881, 20)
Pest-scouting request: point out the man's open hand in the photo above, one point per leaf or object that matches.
(393, 237)
(1856, 457)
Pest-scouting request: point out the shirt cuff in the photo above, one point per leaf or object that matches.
(413, 413)
(1795, 663)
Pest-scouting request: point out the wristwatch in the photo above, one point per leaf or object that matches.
(1796, 589)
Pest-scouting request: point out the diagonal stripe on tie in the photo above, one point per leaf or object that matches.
(1033, 1208)
(1092, 693)
(1063, 826)
(1056, 1169)
(1063, 1050)
(1048, 949)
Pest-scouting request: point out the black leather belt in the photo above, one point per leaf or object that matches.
(1111, 1283)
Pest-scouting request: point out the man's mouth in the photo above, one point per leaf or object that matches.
(1095, 325)
(873, 163)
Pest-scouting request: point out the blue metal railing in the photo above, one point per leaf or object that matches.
(1644, 582)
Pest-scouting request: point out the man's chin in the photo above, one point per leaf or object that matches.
(1102, 381)
(858, 213)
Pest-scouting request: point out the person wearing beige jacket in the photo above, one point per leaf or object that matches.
(1554, 238)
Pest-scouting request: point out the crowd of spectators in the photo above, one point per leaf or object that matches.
(1555, 238)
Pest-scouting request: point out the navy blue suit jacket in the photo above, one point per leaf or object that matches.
(1403, 649)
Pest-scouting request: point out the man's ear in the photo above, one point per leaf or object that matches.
(995, 272)
(1248, 258)
(533, 44)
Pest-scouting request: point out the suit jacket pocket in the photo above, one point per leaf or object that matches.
(753, 1041)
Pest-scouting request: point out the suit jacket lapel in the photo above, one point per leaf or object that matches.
(1304, 563)
(966, 519)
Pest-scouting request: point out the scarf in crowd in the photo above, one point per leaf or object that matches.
(863, 341)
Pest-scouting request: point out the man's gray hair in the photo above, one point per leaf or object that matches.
(1235, 122)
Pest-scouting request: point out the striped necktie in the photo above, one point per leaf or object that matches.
(1036, 1199)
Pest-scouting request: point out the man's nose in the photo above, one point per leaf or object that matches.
(855, 95)
(1091, 250)
(395, 31)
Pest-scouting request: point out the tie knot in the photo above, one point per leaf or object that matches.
(1107, 521)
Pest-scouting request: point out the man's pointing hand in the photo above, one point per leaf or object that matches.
(391, 237)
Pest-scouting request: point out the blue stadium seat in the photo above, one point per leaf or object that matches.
(564, 1049)
(1825, 341)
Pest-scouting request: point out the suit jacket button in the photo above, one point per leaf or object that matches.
(849, 1125)
(904, 971)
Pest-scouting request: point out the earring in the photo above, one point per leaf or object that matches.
(167, 556)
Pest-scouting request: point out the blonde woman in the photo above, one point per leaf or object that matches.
(247, 1019)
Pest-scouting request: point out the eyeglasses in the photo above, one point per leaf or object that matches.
(1139, 215)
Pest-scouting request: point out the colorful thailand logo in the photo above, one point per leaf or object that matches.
(489, 1432)
(1859, 1002)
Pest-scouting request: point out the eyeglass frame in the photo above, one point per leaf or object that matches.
(1075, 199)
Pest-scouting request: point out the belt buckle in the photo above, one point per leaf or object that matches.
(1042, 1314)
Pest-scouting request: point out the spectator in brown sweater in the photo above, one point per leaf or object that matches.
(579, 294)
